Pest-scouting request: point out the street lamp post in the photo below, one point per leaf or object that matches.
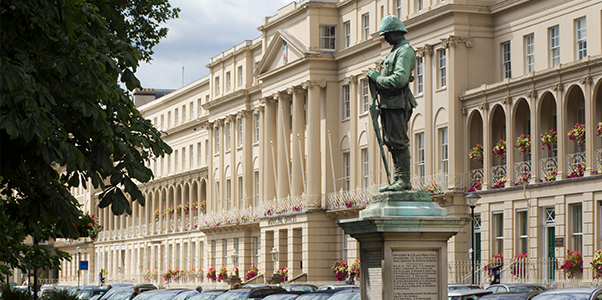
(79, 262)
(472, 200)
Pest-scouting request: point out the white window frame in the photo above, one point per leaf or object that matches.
(183, 113)
(328, 40)
(169, 119)
(365, 27)
(183, 158)
(228, 81)
(347, 28)
(216, 150)
(530, 53)
(191, 162)
(398, 8)
(577, 226)
(176, 117)
(217, 87)
(442, 67)
(229, 194)
(444, 150)
(191, 110)
(257, 187)
(240, 132)
(581, 38)
(365, 168)
(554, 44)
(346, 102)
(522, 218)
(256, 128)
(218, 200)
(419, 75)
(420, 166)
(365, 90)
(346, 171)
(228, 136)
(240, 76)
(506, 60)
(497, 218)
(419, 5)
(199, 154)
(241, 192)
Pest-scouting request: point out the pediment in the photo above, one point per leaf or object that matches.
(274, 56)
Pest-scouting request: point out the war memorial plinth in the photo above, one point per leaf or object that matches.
(403, 246)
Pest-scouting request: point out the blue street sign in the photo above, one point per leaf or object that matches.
(83, 265)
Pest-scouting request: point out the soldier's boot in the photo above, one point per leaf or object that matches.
(397, 165)
(402, 182)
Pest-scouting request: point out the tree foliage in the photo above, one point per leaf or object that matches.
(65, 119)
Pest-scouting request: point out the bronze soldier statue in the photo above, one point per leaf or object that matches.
(396, 101)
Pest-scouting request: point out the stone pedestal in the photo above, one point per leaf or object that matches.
(232, 280)
(275, 279)
(403, 246)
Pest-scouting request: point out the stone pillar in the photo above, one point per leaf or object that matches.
(510, 141)
(313, 146)
(269, 142)
(487, 146)
(210, 201)
(351, 81)
(297, 144)
(283, 143)
(562, 130)
(591, 126)
(535, 136)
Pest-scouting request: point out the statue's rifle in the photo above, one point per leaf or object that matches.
(374, 113)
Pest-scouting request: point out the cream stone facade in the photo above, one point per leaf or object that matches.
(276, 143)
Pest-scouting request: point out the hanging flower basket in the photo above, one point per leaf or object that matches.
(283, 272)
(549, 139)
(519, 265)
(355, 267)
(496, 261)
(222, 275)
(253, 271)
(476, 153)
(523, 143)
(573, 264)
(340, 270)
(500, 149)
(211, 274)
(596, 264)
(599, 129)
(577, 134)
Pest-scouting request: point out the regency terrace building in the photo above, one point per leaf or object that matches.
(276, 144)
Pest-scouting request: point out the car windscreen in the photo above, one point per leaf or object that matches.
(571, 296)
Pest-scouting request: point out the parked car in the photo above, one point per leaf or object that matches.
(184, 295)
(514, 287)
(286, 296)
(453, 287)
(45, 290)
(250, 293)
(207, 294)
(318, 295)
(300, 287)
(161, 294)
(337, 287)
(88, 292)
(350, 294)
(471, 294)
(125, 293)
(524, 295)
(574, 293)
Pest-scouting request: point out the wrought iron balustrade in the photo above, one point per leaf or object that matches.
(522, 172)
(350, 199)
(475, 178)
(548, 168)
(599, 160)
(575, 163)
(439, 183)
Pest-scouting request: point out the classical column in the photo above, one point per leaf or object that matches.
(535, 142)
(487, 146)
(283, 143)
(313, 146)
(591, 126)
(426, 53)
(558, 89)
(351, 81)
(210, 201)
(510, 138)
(270, 143)
(298, 137)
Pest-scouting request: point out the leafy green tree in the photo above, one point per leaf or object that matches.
(66, 118)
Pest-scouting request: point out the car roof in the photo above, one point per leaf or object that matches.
(468, 292)
(577, 289)
(505, 295)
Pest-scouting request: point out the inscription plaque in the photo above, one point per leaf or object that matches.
(374, 279)
(415, 275)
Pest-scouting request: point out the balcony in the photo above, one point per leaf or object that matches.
(439, 183)
(358, 198)
(548, 168)
(522, 172)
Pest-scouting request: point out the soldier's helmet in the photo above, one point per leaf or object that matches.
(391, 23)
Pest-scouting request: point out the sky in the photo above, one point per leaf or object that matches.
(204, 29)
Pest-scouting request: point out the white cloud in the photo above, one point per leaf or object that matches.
(205, 29)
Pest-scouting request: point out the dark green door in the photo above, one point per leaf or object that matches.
(477, 252)
(551, 253)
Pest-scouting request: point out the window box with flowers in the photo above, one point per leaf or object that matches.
(549, 139)
(222, 275)
(477, 185)
(500, 149)
(519, 265)
(496, 261)
(596, 264)
(577, 171)
(211, 274)
(340, 270)
(523, 143)
(253, 271)
(599, 129)
(524, 179)
(283, 272)
(476, 153)
(577, 134)
(573, 264)
(501, 183)
(355, 267)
